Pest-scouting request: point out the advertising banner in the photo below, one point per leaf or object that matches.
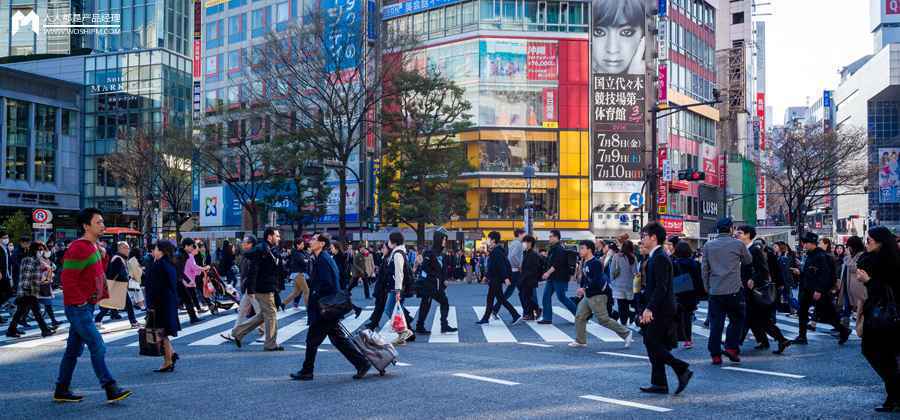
(889, 175)
(662, 194)
(550, 100)
(343, 29)
(761, 198)
(513, 106)
(503, 60)
(617, 114)
(617, 37)
(672, 224)
(412, 6)
(198, 13)
(892, 7)
(663, 98)
(542, 61)
(198, 59)
(761, 116)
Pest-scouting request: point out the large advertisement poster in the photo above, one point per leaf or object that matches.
(542, 62)
(889, 175)
(617, 37)
(617, 113)
(503, 60)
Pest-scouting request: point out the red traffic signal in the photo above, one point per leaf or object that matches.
(691, 175)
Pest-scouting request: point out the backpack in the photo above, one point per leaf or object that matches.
(409, 278)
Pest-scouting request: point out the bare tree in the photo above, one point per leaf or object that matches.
(230, 152)
(423, 158)
(132, 165)
(808, 165)
(325, 79)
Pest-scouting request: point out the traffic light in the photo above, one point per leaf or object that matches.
(635, 225)
(691, 175)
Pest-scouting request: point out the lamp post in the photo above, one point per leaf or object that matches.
(528, 174)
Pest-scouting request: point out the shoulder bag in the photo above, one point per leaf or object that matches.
(884, 316)
(336, 305)
(150, 338)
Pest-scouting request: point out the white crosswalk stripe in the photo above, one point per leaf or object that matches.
(199, 327)
(437, 336)
(494, 331)
(593, 328)
(548, 332)
(351, 323)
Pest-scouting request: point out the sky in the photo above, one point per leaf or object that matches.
(807, 42)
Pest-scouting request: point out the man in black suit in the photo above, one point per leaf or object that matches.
(6, 284)
(659, 313)
(498, 272)
(756, 278)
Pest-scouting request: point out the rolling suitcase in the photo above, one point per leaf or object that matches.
(374, 348)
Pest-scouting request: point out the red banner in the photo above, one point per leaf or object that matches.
(663, 97)
(761, 115)
(198, 59)
(892, 7)
(662, 193)
(198, 12)
(672, 224)
(550, 99)
(723, 164)
(541, 61)
(711, 168)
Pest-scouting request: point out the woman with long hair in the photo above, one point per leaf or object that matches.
(623, 269)
(162, 300)
(851, 292)
(617, 32)
(878, 271)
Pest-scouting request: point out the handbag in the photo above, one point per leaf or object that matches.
(884, 316)
(117, 291)
(764, 295)
(335, 306)
(150, 339)
(682, 283)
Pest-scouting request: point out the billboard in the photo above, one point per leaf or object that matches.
(888, 175)
(518, 60)
(617, 37)
(892, 7)
(342, 33)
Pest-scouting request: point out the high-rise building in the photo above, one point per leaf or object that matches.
(136, 77)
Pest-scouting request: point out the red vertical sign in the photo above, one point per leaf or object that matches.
(663, 84)
(549, 99)
(662, 193)
(892, 7)
(198, 59)
(761, 116)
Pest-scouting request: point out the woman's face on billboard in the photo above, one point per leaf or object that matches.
(616, 47)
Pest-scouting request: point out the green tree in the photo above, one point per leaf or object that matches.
(17, 225)
(423, 158)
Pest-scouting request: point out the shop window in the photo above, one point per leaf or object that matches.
(508, 204)
(513, 156)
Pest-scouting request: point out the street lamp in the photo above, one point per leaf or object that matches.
(528, 174)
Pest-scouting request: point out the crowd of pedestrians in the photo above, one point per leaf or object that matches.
(656, 283)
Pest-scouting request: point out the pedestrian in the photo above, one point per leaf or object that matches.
(459, 273)
(816, 282)
(359, 270)
(683, 263)
(248, 269)
(532, 269)
(498, 273)
(6, 283)
(624, 268)
(557, 276)
(658, 313)
(594, 282)
(266, 277)
(878, 271)
(380, 288)
(83, 284)
(433, 284)
(396, 270)
(35, 270)
(851, 292)
(760, 294)
(162, 300)
(514, 255)
(324, 282)
(298, 267)
(136, 278)
(721, 271)
(117, 270)
(226, 262)
(343, 262)
(187, 284)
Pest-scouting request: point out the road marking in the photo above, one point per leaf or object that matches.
(292, 329)
(436, 335)
(494, 331)
(548, 332)
(58, 337)
(485, 379)
(604, 334)
(216, 339)
(32, 332)
(387, 332)
(632, 356)
(535, 345)
(765, 372)
(353, 323)
(401, 364)
(301, 346)
(116, 336)
(626, 403)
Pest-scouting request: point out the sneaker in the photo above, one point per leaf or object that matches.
(629, 339)
(577, 344)
(543, 322)
(482, 321)
(732, 355)
(423, 331)
(716, 360)
(114, 393)
(300, 376)
(361, 372)
(688, 344)
(64, 395)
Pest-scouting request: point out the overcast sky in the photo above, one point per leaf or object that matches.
(808, 41)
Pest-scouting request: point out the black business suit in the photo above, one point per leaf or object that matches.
(659, 333)
(497, 272)
(760, 318)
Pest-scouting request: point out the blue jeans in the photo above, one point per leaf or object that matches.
(83, 331)
(560, 288)
(735, 308)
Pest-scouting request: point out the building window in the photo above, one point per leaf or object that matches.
(68, 123)
(17, 139)
(282, 15)
(258, 22)
(214, 34)
(510, 203)
(45, 144)
(237, 25)
(737, 18)
(512, 156)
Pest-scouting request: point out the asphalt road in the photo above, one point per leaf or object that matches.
(475, 375)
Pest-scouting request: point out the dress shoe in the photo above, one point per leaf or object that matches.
(114, 393)
(762, 346)
(716, 360)
(167, 369)
(732, 355)
(800, 341)
(412, 337)
(47, 333)
(422, 331)
(361, 372)
(654, 389)
(683, 380)
(279, 348)
(235, 340)
(888, 408)
(14, 334)
(782, 346)
(482, 321)
(845, 335)
(516, 319)
(543, 322)
(448, 329)
(175, 358)
(300, 376)
(64, 395)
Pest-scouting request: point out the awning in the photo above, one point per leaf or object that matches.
(567, 235)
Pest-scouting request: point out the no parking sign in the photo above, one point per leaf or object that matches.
(41, 216)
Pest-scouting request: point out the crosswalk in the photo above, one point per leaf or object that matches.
(293, 326)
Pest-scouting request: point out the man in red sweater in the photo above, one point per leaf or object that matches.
(83, 284)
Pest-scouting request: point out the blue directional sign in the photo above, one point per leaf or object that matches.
(636, 199)
(624, 219)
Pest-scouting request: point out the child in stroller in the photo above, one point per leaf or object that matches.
(217, 292)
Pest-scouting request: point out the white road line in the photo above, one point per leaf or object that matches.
(401, 364)
(352, 323)
(216, 339)
(301, 346)
(116, 336)
(436, 335)
(485, 379)
(631, 356)
(765, 372)
(626, 403)
(388, 332)
(32, 332)
(535, 344)
(494, 331)
(61, 336)
(604, 334)
(215, 322)
(548, 332)
(291, 330)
